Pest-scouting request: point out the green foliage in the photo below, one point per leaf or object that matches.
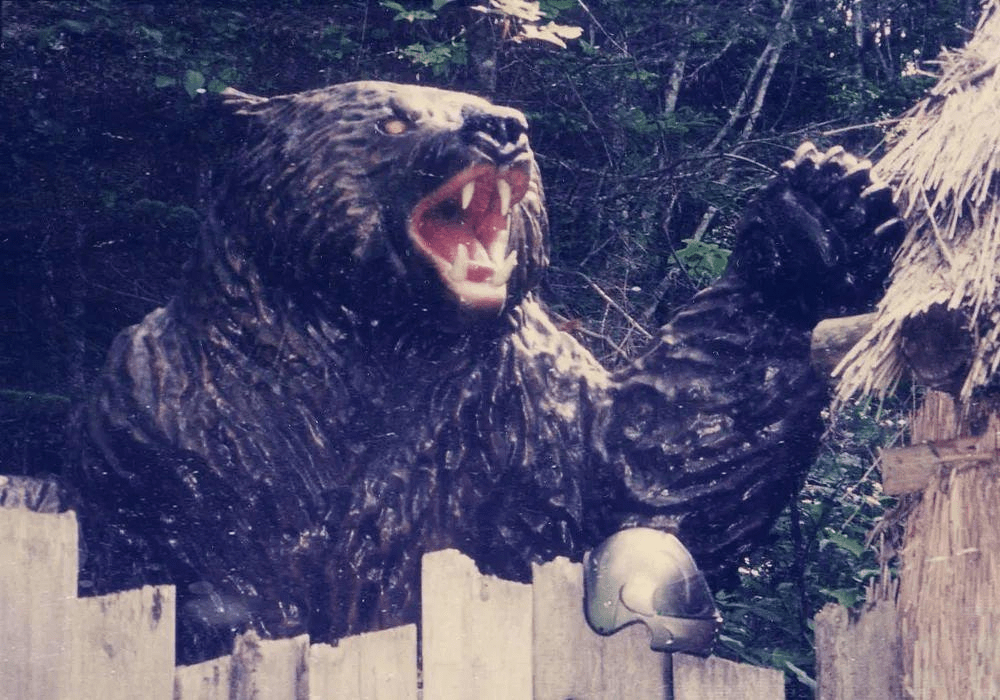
(404, 14)
(819, 551)
(440, 58)
(703, 262)
(553, 8)
(193, 82)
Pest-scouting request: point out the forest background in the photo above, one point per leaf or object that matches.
(653, 122)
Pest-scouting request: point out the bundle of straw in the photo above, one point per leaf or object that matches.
(946, 171)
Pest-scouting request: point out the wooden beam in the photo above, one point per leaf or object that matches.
(834, 337)
(909, 469)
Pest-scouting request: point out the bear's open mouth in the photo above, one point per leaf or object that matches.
(463, 229)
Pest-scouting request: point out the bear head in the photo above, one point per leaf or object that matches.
(386, 199)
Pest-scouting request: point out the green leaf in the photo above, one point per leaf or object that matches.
(552, 8)
(705, 262)
(162, 81)
(193, 82)
(149, 33)
(404, 14)
(438, 58)
(846, 543)
(848, 597)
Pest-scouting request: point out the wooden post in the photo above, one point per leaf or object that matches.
(949, 589)
(949, 598)
(209, 680)
(697, 678)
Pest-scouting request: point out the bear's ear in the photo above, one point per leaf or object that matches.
(241, 102)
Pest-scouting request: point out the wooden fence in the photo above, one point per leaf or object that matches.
(483, 638)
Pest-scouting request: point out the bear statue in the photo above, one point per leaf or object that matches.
(358, 370)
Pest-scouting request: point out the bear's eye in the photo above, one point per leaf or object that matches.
(394, 126)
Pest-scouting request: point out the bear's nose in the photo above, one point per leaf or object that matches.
(500, 132)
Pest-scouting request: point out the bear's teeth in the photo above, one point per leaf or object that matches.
(460, 266)
(467, 192)
(498, 248)
(503, 190)
(479, 253)
(502, 273)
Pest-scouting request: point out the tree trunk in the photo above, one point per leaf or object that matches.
(483, 51)
(766, 62)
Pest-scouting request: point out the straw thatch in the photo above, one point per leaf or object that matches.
(946, 170)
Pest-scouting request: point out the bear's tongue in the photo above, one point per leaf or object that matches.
(463, 228)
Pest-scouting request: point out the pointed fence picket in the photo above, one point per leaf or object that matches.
(483, 637)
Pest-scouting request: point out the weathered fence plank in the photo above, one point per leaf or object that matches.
(483, 637)
(374, 666)
(476, 632)
(713, 678)
(270, 669)
(209, 680)
(571, 661)
(37, 589)
(123, 644)
(859, 657)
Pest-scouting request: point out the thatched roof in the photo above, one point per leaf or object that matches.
(946, 170)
